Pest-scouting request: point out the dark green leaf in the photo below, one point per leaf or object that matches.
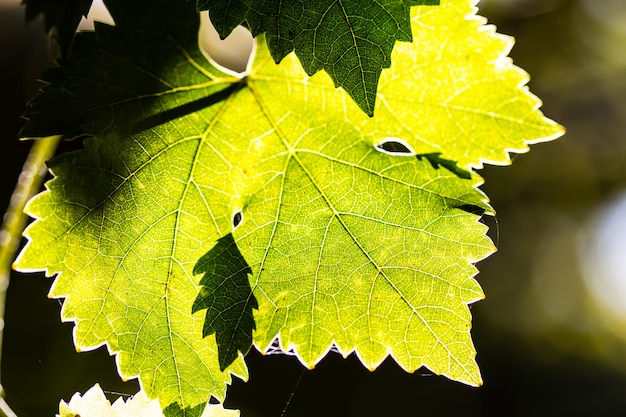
(352, 40)
(61, 17)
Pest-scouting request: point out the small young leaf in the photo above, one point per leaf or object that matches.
(95, 404)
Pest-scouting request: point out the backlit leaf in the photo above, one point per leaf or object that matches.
(358, 232)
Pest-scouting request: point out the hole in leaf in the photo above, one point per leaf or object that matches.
(275, 349)
(231, 53)
(237, 217)
(395, 146)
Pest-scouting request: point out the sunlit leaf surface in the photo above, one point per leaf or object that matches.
(354, 231)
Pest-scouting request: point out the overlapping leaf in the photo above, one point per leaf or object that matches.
(348, 242)
(351, 40)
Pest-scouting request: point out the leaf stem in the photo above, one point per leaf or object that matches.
(5, 410)
(28, 184)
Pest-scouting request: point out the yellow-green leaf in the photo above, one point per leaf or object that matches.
(354, 231)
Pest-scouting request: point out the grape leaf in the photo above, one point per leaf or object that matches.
(61, 18)
(349, 39)
(359, 232)
(95, 404)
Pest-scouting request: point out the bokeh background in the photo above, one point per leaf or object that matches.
(551, 334)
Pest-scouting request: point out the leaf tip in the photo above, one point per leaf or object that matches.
(477, 380)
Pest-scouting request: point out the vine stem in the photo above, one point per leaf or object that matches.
(14, 221)
(5, 410)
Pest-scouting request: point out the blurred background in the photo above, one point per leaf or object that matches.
(551, 334)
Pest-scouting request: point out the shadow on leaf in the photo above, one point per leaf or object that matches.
(186, 109)
(175, 410)
(226, 295)
(437, 161)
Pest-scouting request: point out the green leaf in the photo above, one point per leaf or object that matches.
(61, 17)
(228, 299)
(351, 40)
(359, 232)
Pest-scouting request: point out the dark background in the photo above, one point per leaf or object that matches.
(550, 339)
